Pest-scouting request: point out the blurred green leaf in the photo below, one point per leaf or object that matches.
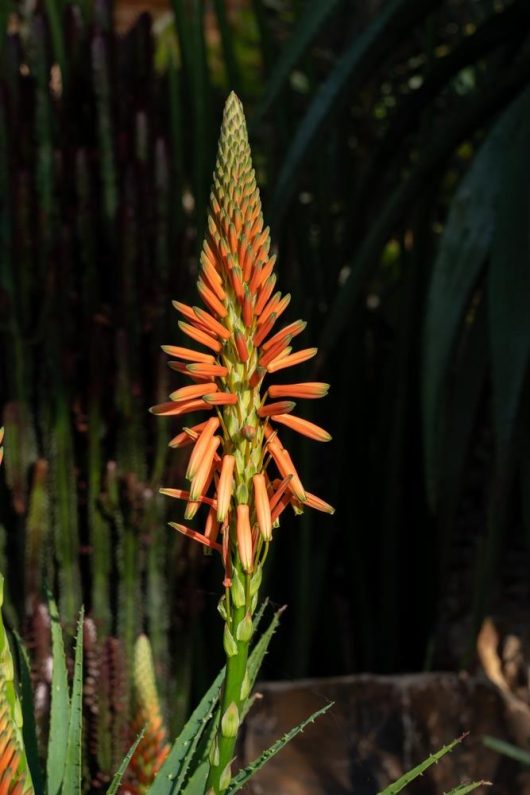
(462, 256)
(312, 17)
(509, 279)
(359, 60)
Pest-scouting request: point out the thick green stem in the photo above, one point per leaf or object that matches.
(238, 631)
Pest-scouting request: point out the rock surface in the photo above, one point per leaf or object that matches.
(378, 728)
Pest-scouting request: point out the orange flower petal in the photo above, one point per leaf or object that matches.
(319, 505)
(225, 487)
(212, 324)
(174, 409)
(283, 407)
(195, 390)
(289, 361)
(281, 349)
(210, 299)
(262, 332)
(182, 494)
(221, 399)
(304, 427)
(310, 389)
(241, 345)
(212, 526)
(203, 469)
(207, 370)
(286, 467)
(182, 367)
(187, 531)
(292, 330)
(262, 506)
(244, 539)
(200, 336)
(264, 294)
(188, 354)
(187, 436)
(201, 446)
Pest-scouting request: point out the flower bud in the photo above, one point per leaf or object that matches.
(230, 721)
(238, 590)
(245, 687)
(229, 643)
(245, 629)
(226, 777)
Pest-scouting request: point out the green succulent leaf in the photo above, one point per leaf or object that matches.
(409, 777)
(171, 775)
(118, 776)
(239, 781)
(60, 706)
(462, 255)
(72, 768)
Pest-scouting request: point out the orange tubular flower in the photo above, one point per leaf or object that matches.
(236, 456)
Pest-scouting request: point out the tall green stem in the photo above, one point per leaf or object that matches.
(238, 632)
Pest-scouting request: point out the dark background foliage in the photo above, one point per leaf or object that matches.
(391, 142)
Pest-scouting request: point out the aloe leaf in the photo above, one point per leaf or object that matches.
(311, 20)
(359, 60)
(463, 250)
(502, 747)
(60, 707)
(239, 781)
(197, 783)
(408, 777)
(171, 775)
(72, 766)
(116, 781)
(463, 789)
(29, 729)
(509, 283)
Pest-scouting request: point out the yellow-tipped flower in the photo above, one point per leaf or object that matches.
(153, 748)
(239, 344)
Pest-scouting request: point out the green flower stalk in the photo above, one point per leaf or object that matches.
(235, 451)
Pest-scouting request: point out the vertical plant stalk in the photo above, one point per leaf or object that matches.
(236, 285)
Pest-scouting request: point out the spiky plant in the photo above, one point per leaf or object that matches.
(233, 452)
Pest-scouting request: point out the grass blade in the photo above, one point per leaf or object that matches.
(239, 781)
(502, 747)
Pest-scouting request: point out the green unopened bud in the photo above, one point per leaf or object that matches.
(248, 432)
(221, 608)
(214, 754)
(238, 590)
(226, 777)
(255, 581)
(230, 721)
(242, 494)
(229, 643)
(245, 628)
(245, 687)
